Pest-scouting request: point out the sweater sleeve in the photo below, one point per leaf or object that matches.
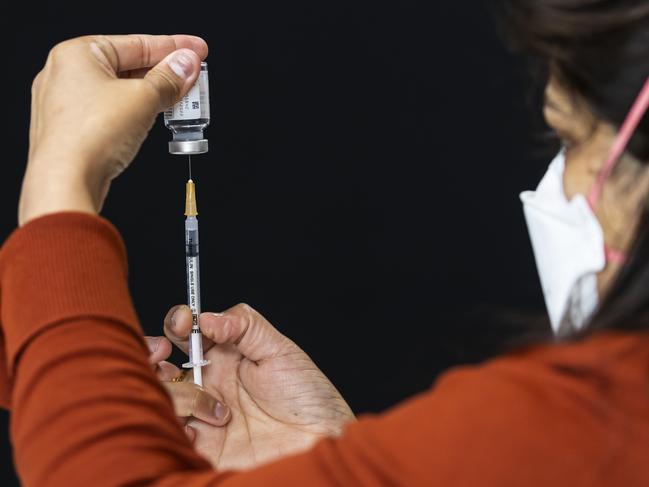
(87, 409)
(5, 387)
(85, 404)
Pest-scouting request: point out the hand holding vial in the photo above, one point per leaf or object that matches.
(73, 157)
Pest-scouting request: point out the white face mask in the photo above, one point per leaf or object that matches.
(568, 244)
(568, 240)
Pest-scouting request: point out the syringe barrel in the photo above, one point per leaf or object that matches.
(193, 266)
(196, 360)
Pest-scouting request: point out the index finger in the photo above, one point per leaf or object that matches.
(136, 51)
(253, 336)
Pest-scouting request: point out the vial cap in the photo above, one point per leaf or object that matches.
(188, 147)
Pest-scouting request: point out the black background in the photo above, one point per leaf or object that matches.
(361, 188)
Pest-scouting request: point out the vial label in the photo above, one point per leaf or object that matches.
(195, 104)
(204, 85)
(189, 108)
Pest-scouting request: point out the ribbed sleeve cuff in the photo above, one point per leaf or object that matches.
(58, 267)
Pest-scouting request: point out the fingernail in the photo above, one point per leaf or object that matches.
(218, 314)
(173, 318)
(181, 64)
(191, 433)
(198, 38)
(221, 411)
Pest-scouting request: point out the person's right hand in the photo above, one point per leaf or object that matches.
(280, 402)
(92, 106)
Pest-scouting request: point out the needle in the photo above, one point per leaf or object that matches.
(190, 166)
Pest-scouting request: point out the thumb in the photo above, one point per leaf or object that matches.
(174, 76)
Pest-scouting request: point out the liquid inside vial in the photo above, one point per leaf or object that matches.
(189, 117)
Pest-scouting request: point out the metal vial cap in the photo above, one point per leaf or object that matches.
(188, 147)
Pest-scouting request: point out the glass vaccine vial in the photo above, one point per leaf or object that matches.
(189, 117)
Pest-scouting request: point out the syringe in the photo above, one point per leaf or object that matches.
(196, 360)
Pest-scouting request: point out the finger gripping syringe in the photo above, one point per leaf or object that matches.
(196, 360)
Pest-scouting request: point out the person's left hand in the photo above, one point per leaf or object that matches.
(280, 402)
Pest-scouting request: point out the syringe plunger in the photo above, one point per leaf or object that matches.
(195, 350)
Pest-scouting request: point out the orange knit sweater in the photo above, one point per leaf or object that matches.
(88, 411)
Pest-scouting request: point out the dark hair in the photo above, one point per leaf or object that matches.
(599, 51)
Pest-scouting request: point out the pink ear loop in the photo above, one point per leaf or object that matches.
(629, 127)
